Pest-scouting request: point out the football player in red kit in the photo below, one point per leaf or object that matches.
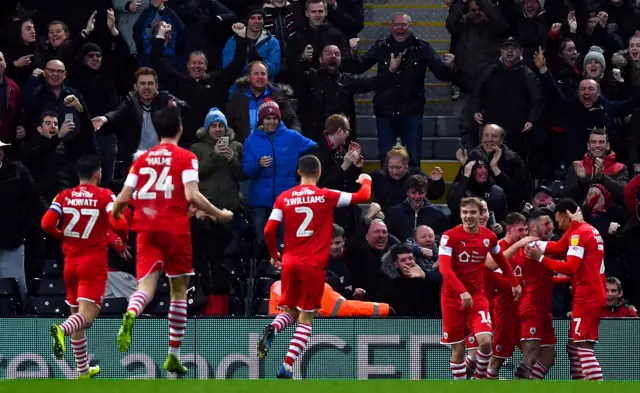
(504, 313)
(585, 265)
(165, 179)
(307, 213)
(85, 213)
(463, 252)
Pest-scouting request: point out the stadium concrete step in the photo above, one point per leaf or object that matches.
(433, 126)
(419, 12)
(433, 107)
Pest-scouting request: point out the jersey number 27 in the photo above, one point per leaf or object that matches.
(75, 217)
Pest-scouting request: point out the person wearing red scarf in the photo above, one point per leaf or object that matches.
(599, 166)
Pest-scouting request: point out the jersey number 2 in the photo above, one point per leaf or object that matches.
(162, 183)
(308, 216)
(75, 217)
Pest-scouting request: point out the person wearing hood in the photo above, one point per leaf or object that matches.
(404, 285)
(508, 94)
(599, 166)
(270, 159)
(476, 182)
(253, 89)
(416, 210)
(507, 168)
(219, 161)
(261, 45)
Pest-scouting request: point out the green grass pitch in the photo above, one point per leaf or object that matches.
(313, 386)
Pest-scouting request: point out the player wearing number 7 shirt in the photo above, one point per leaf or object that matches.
(463, 252)
(585, 264)
(85, 212)
(166, 181)
(307, 214)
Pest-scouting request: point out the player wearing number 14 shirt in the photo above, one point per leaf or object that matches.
(165, 180)
(85, 215)
(307, 214)
(463, 252)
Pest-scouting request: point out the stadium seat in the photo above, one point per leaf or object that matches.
(46, 306)
(8, 307)
(158, 306)
(46, 286)
(261, 306)
(235, 286)
(163, 286)
(52, 268)
(9, 287)
(236, 307)
(263, 286)
(114, 306)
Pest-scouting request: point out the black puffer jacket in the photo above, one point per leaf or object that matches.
(389, 192)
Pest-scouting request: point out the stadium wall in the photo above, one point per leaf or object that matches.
(339, 349)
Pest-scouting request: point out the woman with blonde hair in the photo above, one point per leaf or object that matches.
(388, 182)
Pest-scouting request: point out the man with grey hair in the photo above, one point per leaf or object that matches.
(399, 106)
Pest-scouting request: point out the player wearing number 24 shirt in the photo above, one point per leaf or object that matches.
(85, 215)
(165, 180)
(463, 252)
(584, 248)
(307, 214)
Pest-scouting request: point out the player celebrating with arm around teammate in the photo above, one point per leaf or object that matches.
(585, 264)
(307, 213)
(166, 180)
(463, 251)
(85, 212)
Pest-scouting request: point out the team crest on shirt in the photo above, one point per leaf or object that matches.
(443, 240)
(575, 240)
(486, 242)
(445, 335)
(194, 163)
(532, 330)
(498, 348)
(472, 340)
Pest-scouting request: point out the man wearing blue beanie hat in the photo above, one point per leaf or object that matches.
(215, 115)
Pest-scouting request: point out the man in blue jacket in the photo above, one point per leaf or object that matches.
(270, 159)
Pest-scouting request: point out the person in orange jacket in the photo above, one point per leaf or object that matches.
(334, 305)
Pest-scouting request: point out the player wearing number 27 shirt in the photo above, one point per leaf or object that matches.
(463, 251)
(85, 215)
(307, 214)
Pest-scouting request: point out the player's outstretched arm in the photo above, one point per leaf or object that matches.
(562, 245)
(50, 223)
(195, 197)
(568, 267)
(447, 272)
(559, 280)
(119, 226)
(505, 266)
(122, 200)
(364, 193)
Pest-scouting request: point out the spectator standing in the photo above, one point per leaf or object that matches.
(346, 16)
(508, 94)
(399, 106)
(200, 89)
(132, 120)
(24, 54)
(146, 28)
(327, 91)
(129, 12)
(10, 107)
(22, 209)
(261, 44)
(270, 160)
(242, 109)
(283, 19)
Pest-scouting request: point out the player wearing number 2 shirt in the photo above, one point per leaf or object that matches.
(463, 251)
(85, 215)
(585, 264)
(165, 180)
(307, 214)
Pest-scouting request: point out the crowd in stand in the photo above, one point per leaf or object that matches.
(550, 100)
